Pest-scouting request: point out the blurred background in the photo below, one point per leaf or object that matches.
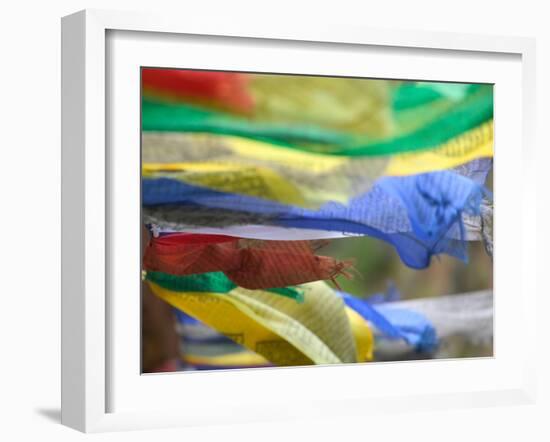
(378, 266)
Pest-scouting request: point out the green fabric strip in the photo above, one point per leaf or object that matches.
(475, 108)
(160, 116)
(216, 282)
(473, 111)
(409, 96)
(415, 94)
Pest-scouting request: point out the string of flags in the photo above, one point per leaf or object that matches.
(246, 178)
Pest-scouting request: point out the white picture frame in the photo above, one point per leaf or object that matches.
(93, 324)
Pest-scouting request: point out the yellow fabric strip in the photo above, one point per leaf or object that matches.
(360, 329)
(244, 358)
(253, 181)
(222, 313)
(234, 178)
(175, 147)
(300, 161)
(475, 143)
(219, 162)
(316, 331)
(362, 334)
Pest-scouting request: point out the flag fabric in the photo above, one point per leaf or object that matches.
(247, 177)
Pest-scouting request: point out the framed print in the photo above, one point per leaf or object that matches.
(263, 222)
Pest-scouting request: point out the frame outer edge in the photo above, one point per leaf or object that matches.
(73, 79)
(83, 328)
(531, 207)
(95, 224)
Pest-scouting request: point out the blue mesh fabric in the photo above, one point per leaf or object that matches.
(396, 323)
(414, 327)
